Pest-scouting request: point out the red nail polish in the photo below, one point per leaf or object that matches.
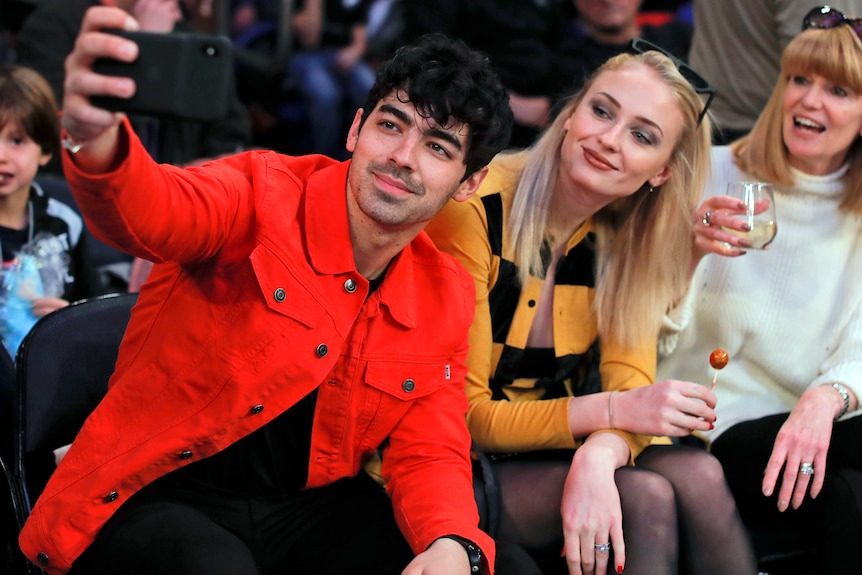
(619, 568)
(711, 426)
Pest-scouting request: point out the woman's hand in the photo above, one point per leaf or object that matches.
(670, 407)
(591, 510)
(804, 438)
(714, 214)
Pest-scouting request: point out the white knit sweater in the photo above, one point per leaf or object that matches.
(790, 317)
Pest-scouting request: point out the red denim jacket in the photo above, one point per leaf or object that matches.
(249, 307)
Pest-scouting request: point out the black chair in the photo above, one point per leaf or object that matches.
(61, 374)
(12, 559)
(7, 402)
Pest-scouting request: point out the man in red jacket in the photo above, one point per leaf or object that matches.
(297, 321)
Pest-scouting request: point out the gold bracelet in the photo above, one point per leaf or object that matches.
(611, 410)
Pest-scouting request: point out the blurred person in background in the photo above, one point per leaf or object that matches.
(521, 38)
(602, 29)
(737, 45)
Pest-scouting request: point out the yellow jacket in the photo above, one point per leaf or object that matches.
(508, 414)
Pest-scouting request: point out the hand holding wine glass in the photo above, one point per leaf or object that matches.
(729, 225)
(757, 212)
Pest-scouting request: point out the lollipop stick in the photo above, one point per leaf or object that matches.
(714, 377)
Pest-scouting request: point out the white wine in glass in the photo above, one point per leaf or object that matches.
(758, 199)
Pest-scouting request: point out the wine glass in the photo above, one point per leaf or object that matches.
(758, 199)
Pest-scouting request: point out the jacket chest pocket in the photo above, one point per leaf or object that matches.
(390, 390)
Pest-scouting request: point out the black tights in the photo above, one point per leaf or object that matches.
(678, 514)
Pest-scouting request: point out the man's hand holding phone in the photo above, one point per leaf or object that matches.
(115, 67)
(95, 128)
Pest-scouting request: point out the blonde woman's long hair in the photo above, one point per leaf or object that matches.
(644, 241)
(836, 54)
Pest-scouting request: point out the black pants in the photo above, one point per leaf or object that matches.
(180, 528)
(834, 518)
(183, 528)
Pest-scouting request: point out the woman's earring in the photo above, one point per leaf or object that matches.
(651, 189)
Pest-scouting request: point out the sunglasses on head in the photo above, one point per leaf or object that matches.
(826, 17)
(698, 82)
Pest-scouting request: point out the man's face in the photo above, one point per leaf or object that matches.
(405, 167)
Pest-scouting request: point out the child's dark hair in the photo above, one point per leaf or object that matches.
(447, 81)
(27, 98)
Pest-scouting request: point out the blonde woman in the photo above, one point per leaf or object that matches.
(577, 247)
(790, 317)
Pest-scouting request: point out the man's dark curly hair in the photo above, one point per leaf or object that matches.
(447, 81)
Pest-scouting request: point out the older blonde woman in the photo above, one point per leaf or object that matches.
(790, 317)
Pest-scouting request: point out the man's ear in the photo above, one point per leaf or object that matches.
(661, 177)
(470, 186)
(353, 133)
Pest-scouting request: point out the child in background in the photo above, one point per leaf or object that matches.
(41, 239)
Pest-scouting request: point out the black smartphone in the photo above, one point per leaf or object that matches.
(182, 75)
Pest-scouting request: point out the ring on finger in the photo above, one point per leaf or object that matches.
(806, 468)
(602, 547)
(706, 218)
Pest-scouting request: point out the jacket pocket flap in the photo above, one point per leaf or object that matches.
(283, 291)
(407, 381)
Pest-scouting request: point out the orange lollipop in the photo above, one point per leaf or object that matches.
(717, 359)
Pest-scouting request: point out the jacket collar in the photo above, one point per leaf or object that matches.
(330, 248)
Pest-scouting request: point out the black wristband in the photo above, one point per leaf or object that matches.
(474, 553)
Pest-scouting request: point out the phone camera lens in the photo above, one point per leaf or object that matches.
(210, 50)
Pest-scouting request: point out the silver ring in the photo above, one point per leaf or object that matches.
(705, 219)
(603, 548)
(806, 468)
